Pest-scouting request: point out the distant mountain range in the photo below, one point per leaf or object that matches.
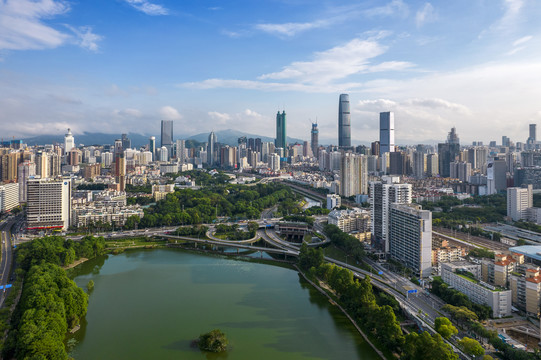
(229, 137)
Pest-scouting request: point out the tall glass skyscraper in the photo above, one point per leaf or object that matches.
(386, 132)
(314, 143)
(167, 136)
(281, 141)
(211, 149)
(344, 122)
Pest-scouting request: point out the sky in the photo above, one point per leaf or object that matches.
(121, 66)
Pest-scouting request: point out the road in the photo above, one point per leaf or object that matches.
(5, 264)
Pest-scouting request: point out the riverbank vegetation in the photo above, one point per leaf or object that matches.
(377, 319)
(51, 303)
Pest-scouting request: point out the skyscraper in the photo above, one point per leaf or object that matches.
(126, 142)
(314, 141)
(344, 121)
(533, 132)
(211, 149)
(69, 142)
(448, 152)
(386, 132)
(152, 147)
(281, 137)
(167, 136)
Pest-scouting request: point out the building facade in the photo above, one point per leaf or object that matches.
(386, 132)
(344, 121)
(49, 203)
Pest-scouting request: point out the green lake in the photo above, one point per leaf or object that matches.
(151, 304)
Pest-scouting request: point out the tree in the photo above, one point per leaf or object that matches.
(445, 328)
(471, 346)
(423, 346)
(214, 341)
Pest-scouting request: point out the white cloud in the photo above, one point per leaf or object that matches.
(291, 29)
(21, 25)
(220, 117)
(509, 19)
(425, 15)
(86, 38)
(148, 8)
(522, 40)
(170, 113)
(392, 8)
(130, 113)
(336, 63)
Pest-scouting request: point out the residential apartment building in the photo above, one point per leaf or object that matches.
(457, 275)
(410, 240)
(353, 221)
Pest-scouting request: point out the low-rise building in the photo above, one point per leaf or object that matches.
(352, 220)
(92, 215)
(160, 191)
(464, 277)
(9, 196)
(442, 252)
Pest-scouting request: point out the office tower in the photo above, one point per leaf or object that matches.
(167, 136)
(69, 142)
(314, 140)
(258, 144)
(118, 149)
(496, 176)
(410, 239)
(419, 164)
(24, 171)
(505, 141)
(397, 163)
(242, 140)
(374, 147)
(126, 142)
(518, 200)
(181, 150)
(386, 132)
(353, 175)
(49, 203)
(344, 121)
(448, 152)
(9, 196)
(281, 136)
(533, 133)
(382, 195)
(211, 149)
(8, 167)
(152, 147)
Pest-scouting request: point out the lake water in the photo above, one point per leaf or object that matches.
(150, 304)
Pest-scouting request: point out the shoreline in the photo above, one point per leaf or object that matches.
(344, 311)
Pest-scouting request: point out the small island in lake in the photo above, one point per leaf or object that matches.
(213, 341)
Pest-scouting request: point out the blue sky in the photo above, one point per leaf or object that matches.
(123, 65)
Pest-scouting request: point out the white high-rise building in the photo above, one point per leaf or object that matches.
(274, 162)
(386, 132)
(410, 238)
(419, 164)
(382, 195)
(162, 154)
(106, 159)
(9, 196)
(69, 142)
(49, 203)
(333, 201)
(180, 150)
(518, 201)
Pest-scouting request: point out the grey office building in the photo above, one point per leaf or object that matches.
(386, 132)
(314, 143)
(281, 136)
(344, 122)
(167, 136)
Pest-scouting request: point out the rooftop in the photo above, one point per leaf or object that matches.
(531, 251)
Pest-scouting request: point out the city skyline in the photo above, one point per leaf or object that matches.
(472, 65)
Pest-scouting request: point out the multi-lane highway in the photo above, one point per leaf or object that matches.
(5, 264)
